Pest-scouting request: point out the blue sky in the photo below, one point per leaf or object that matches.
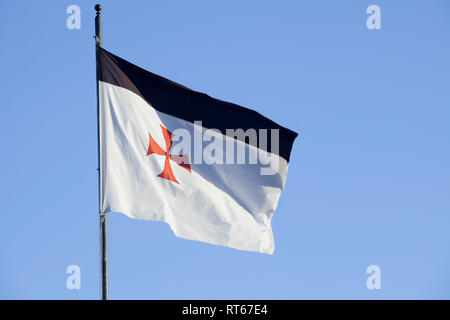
(369, 175)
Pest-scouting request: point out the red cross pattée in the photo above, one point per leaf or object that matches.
(181, 160)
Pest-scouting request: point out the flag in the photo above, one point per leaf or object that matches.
(212, 170)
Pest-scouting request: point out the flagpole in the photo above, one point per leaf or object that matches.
(103, 218)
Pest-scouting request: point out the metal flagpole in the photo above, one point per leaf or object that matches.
(103, 218)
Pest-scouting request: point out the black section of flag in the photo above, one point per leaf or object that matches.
(179, 101)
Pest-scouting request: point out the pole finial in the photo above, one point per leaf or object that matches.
(98, 8)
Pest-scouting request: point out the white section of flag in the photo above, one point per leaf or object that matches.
(230, 205)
